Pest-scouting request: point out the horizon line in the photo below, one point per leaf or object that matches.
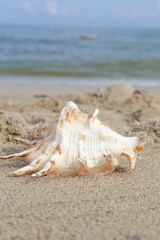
(78, 25)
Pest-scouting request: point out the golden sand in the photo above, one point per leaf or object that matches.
(123, 205)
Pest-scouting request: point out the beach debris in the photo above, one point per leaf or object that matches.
(40, 96)
(90, 36)
(7, 105)
(76, 144)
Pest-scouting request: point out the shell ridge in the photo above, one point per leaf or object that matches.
(72, 150)
(97, 153)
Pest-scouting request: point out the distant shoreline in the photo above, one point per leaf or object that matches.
(73, 82)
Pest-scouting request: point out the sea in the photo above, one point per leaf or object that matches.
(62, 55)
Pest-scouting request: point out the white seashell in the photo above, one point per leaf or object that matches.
(75, 143)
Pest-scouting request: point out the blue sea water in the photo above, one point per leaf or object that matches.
(62, 53)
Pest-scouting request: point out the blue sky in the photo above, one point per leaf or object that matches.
(125, 13)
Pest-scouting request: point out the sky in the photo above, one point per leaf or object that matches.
(118, 13)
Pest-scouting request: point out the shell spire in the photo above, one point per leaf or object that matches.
(75, 143)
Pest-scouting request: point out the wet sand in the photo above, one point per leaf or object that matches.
(122, 205)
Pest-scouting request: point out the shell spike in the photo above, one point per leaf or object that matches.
(139, 147)
(69, 107)
(25, 142)
(94, 114)
(132, 161)
(23, 155)
(142, 142)
(92, 117)
(131, 154)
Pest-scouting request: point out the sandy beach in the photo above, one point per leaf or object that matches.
(122, 205)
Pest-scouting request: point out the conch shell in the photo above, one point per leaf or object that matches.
(75, 143)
